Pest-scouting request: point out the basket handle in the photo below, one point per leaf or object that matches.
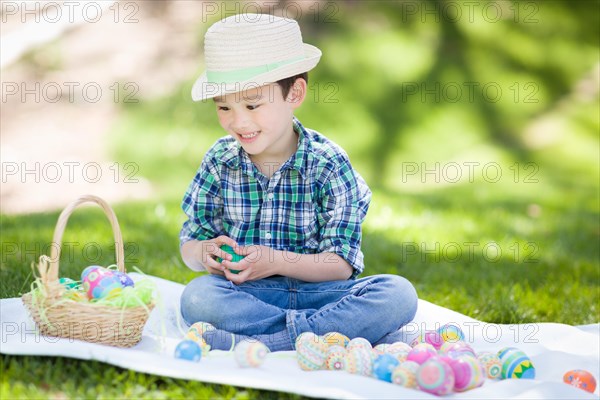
(51, 275)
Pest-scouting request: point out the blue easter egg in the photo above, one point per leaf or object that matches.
(383, 367)
(124, 278)
(188, 350)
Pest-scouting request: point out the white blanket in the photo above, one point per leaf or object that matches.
(553, 348)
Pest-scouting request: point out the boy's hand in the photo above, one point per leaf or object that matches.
(257, 264)
(210, 250)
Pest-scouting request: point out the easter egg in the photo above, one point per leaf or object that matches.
(68, 283)
(199, 328)
(457, 349)
(383, 367)
(421, 353)
(405, 376)
(89, 269)
(399, 350)
(359, 361)
(359, 342)
(311, 351)
(468, 373)
(188, 350)
(451, 333)
(250, 353)
(491, 364)
(381, 348)
(101, 283)
(336, 358)
(123, 278)
(336, 339)
(193, 335)
(515, 364)
(581, 379)
(235, 257)
(436, 377)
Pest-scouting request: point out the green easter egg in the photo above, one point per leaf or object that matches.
(236, 257)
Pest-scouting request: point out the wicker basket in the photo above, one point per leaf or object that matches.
(90, 322)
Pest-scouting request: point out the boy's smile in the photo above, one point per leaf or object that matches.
(260, 119)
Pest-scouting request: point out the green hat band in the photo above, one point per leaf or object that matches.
(240, 75)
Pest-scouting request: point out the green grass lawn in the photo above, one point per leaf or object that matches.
(520, 247)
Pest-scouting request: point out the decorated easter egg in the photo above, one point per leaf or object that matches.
(124, 278)
(235, 257)
(336, 339)
(383, 367)
(193, 335)
(199, 328)
(468, 373)
(359, 342)
(451, 333)
(491, 364)
(381, 348)
(436, 377)
(68, 283)
(457, 349)
(359, 360)
(101, 283)
(581, 379)
(405, 374)
(311, 351)
(421, 353)
(188, 350)
(250, 353)
(411, 366)
(89, 269)
(399, 350)
(516, 364)
(336, 358)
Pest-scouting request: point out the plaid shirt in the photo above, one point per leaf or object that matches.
(314, 203)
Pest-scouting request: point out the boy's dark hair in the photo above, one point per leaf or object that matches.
(287, 83)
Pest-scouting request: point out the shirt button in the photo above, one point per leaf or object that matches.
(270, 196)
(268, 235)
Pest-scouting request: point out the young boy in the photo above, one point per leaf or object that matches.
(283, 196)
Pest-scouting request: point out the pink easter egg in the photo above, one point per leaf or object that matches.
(421, 353)
(101, 283)
(468, 373)
(457, 349)
(436, 377)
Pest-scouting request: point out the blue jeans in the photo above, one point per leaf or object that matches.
(370, 307)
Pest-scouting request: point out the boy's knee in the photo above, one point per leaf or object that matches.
(199, 300)
(402, 297)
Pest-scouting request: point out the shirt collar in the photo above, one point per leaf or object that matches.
(236, 156)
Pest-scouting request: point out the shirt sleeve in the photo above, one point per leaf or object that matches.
(345, 199)
(203, 205)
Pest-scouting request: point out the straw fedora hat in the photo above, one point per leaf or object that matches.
(245, 51)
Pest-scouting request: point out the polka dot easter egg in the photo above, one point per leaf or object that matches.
(250, 354)
(581, 379)
(311, 351)
(89, 269)
(516, 364)
(435, 377)
(101, 283)
(188, 350)
(491, 364)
